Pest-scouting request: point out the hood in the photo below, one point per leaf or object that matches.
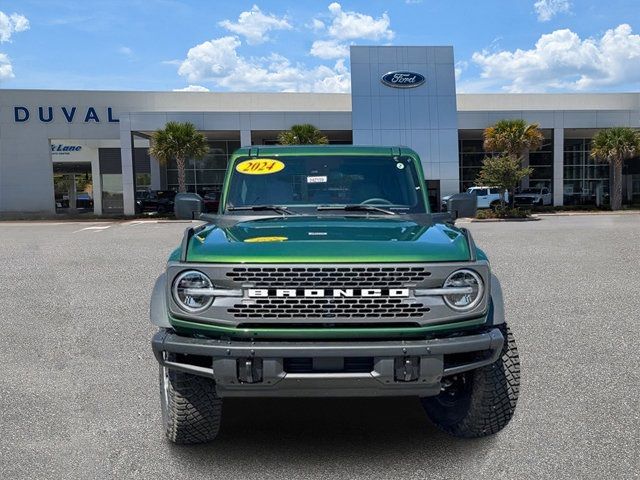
(330, 239)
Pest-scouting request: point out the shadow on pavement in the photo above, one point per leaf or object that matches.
(297, 432)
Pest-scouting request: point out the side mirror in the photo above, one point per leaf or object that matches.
(188, 206)
(462, 205)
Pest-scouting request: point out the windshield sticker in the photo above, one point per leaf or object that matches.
(317, 179)
(266, 239)
(260, 166)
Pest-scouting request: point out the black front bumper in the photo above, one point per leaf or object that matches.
(432, 359)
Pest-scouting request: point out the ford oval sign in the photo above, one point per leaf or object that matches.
(402, 79)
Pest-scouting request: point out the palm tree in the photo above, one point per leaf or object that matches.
(614, 146)
(514, 138)
(303, 134)
(178, 141)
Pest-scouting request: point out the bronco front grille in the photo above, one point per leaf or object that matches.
(334, 277)
(352, 307)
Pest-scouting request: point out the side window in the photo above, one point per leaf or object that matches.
(481, 192)
(545, 191)
(495, 191)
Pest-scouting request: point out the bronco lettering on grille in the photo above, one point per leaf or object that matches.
(328, 292)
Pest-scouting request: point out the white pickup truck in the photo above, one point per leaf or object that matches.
(533, 196)
(488, 197)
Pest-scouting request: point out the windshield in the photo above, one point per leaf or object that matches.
(530, 190)
(310, 181)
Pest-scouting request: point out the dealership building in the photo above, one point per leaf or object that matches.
(89, 149)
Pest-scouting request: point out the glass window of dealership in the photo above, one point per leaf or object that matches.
(585, 179)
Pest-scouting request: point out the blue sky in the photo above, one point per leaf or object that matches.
(277, 45)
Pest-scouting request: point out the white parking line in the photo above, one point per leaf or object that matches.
(134, 223)
(95, 229)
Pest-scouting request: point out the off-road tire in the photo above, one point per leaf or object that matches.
(191, 410)
(494, 205)
(487, 400)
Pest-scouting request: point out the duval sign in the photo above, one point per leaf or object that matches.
(69, 114)
(402, 79)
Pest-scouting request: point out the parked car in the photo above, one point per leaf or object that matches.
(155, 201)
(533, 196)
(62, 201)
(211, 201)
(488, 197)
(84, 200)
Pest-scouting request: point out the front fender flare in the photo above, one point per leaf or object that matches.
(497, 302)
(158, 311)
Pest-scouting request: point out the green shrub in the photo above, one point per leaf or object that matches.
(503, 212)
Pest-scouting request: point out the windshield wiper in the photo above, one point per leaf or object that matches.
(356, 207)
(257, 208)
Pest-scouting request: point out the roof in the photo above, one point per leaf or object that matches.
(324, 149)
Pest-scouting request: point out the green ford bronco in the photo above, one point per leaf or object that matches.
(325, 274)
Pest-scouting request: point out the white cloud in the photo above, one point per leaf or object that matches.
(547, 9)
(126, 51)
(254, 25)
(353, 25)
(6, 70)
(329, 49)
(347, 26)
(192, 88)
(210, 59)
(218, 62)
(561, 60)
(316, 25)
(10, 24)
(460, 67)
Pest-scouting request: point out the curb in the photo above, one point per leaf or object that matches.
(571, 214)
(493, 220)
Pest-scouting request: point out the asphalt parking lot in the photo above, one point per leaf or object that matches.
(79, 393)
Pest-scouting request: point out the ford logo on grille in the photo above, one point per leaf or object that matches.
(402, 79)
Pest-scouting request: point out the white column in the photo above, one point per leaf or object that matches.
(245, 138)
(558, 166)
(126, 154)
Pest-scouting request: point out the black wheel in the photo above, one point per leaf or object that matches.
(494, 205)
(191, 410)
(480, 402)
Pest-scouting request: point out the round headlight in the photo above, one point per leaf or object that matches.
(186, 293)
(469, 280)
